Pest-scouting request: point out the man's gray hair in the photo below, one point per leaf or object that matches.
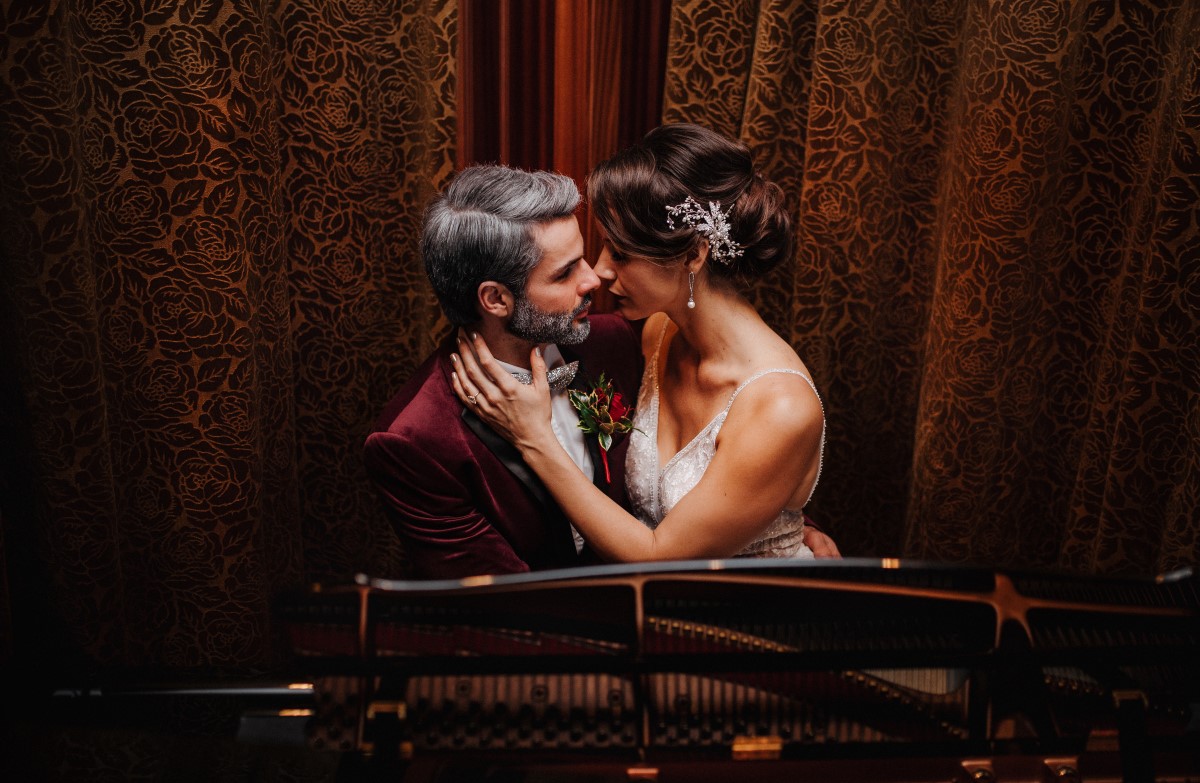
(481, 228)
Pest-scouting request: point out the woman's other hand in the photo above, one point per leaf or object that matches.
(820, 544)
(519, 412)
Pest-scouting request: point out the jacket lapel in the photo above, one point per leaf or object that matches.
(510, 457)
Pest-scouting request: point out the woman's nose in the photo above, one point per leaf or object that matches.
(604, 267)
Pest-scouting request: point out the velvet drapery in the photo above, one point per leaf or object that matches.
(997, 286)
(211, 286)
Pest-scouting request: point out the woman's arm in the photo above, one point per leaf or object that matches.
(768, 449)
(771, 437)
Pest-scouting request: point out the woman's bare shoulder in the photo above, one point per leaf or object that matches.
(779, 402)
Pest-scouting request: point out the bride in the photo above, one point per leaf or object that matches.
(728, 429)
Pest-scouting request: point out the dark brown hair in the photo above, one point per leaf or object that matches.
(630, 193)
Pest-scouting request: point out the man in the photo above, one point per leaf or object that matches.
(504, 253)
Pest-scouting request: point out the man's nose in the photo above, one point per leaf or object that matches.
(590, 281)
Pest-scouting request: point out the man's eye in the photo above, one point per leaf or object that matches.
(573, 268)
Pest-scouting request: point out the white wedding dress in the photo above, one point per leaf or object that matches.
(654, 492)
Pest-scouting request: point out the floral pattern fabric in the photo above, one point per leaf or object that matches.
(998, 262)
(211, 287)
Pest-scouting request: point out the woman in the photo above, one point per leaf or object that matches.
(729, 427)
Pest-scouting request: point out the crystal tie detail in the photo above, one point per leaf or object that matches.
(560, 377)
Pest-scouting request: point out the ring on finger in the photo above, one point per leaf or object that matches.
(471, 399)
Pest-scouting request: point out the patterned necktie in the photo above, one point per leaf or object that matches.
(560, 377)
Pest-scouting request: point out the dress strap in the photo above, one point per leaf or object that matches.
(813, 386)
(658, 349)
(760, 374)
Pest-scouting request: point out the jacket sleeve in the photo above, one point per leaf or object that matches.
(446, 536)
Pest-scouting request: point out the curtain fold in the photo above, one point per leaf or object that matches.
(211, 286)
(995, 285)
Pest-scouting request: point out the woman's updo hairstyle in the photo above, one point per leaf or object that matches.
(629, 194)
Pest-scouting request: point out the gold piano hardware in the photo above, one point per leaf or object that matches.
(1062, 770)
(405, 749)
(295, 713)
(978, 771)
(397, 708)
(641, 773)
(757, 748)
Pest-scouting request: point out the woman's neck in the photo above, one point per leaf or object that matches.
(717, 330)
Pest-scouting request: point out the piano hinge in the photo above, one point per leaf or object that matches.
(754, 748)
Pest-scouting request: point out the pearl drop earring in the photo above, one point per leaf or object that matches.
(691, 290)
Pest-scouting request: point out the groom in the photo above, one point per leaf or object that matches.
(504, 254)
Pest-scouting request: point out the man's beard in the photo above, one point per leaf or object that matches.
(539, 326)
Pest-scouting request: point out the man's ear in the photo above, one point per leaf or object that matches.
(494, 299)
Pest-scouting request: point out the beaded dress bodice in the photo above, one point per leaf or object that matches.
(653, 492)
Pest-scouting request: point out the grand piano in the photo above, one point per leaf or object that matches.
(857, 669)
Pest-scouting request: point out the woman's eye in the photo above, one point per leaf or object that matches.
(613, 253)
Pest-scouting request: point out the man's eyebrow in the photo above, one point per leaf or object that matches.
(567, 266)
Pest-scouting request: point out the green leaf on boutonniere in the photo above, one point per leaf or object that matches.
(603, 414)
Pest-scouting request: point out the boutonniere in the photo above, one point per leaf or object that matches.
(603, 414)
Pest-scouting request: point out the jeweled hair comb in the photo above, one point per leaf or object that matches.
(713, 224)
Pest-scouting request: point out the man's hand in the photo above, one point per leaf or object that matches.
(820, 544)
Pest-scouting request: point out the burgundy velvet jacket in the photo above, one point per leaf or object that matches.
(460, 496)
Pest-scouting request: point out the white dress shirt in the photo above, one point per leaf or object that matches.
(564, 420)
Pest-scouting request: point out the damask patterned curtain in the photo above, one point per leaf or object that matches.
(997, 286)
(210, 286)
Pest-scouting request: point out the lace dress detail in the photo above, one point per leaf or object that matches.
(654, 492)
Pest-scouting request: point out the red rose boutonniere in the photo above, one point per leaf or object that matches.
(603, 414)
